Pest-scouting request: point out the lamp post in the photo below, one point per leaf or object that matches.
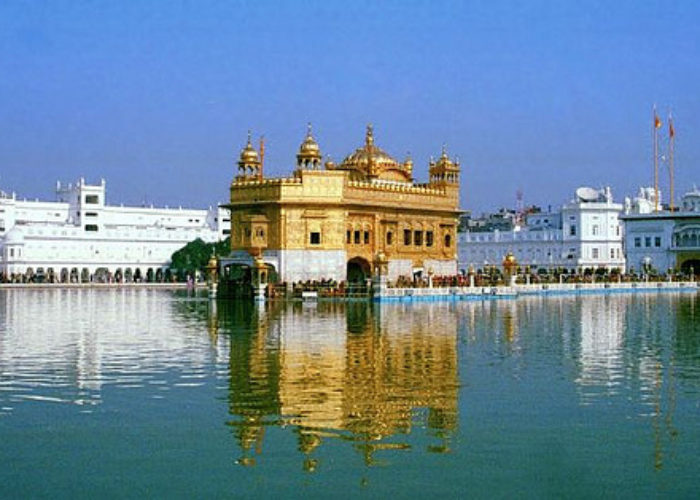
(510, 266)
(213, 275)
(647, 268)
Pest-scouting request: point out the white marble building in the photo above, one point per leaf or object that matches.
(664, 240)
(79, 237)
(584, 233)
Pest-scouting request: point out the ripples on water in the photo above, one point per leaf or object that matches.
(67, 346)
(382, 382)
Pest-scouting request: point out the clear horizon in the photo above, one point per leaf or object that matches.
(157, 98)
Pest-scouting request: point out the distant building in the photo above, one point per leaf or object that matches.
(664, 240)
(342, 221)
(584, 233)
(503, 220)
(79, 237)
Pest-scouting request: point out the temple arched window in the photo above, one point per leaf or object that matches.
(418, 238)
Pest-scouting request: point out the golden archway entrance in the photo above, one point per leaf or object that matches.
(358, 270)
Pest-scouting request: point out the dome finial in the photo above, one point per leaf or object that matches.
(249, 138)
(308, 130)
(444, 150)
(369, 139)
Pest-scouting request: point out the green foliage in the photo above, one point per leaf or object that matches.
(195, 255)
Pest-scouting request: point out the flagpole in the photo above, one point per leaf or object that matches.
(657, 123)
(262, 155)
(671, 136)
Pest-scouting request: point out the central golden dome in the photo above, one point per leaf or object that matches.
(371, 162)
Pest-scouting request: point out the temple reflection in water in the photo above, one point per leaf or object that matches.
(312, 380)
(342, 371)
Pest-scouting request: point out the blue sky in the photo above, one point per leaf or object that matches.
(157, 97)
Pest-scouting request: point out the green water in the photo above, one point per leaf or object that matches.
(126, 393)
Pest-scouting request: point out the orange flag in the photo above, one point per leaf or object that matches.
(657, 121)
(671, 130)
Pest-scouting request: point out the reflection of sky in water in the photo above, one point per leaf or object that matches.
(297, 381)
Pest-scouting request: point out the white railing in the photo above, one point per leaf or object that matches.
(458, 292)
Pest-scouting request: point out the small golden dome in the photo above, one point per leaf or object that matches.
(248, 153)
(309, 147)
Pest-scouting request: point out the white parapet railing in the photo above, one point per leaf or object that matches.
(454, 293)
(490, 292)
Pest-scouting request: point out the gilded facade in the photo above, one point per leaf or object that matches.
(338, 221)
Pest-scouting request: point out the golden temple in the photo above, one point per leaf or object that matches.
(346, 221)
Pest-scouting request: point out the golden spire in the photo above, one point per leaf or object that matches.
(369, 138)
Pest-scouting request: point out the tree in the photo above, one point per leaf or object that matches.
(195, 255)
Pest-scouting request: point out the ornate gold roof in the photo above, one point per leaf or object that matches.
(372, 162)
(444, 170)
(445, 162)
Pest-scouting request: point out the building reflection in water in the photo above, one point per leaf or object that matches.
(373, 378)
(69, 345)
(602, 345)
(623, 346)
(341, 371)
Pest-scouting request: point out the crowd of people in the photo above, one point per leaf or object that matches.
(334, 288)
